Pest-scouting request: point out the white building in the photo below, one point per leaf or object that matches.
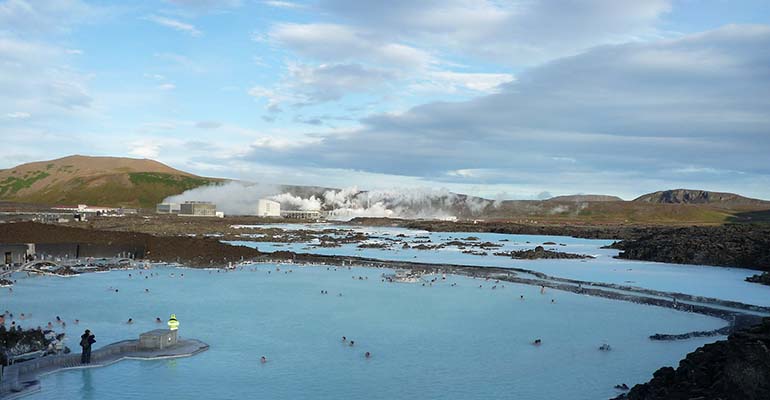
(268, 208)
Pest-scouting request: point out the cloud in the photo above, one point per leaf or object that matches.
(174, 24)
(34, 77)
(208, 124)
(624, 113)
(18, 115)
(519, 32)
(206, 4)
(340, 44)
(45, 16)
(283, 4)
(352, 61)
(167, 86)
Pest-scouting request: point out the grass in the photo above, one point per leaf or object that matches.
(143, 190)
(12, 184)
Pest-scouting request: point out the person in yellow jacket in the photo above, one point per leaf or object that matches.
(173, 324)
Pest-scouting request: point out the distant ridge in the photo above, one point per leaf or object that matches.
(585, 197)
(691, 196)
(105, 181)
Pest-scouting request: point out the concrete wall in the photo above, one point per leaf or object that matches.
(268, 208)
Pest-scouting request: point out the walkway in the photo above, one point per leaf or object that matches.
(23, 378)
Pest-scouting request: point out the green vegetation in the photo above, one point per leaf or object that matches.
(150, 178)
(12, 184)
(151, 188)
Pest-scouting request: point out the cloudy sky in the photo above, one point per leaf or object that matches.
(504, 99)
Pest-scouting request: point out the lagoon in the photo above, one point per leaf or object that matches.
(442, 341)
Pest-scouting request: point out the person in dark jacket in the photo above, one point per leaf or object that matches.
(86, 340)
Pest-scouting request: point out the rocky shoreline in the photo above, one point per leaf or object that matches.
(734, 245)
(734, 369)
(729, 245)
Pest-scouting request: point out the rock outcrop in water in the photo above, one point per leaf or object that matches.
(540, 252)
(763, 278)
(734, 369)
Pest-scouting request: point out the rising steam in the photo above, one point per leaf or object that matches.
(237, 198)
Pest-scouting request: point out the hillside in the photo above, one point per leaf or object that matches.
(690, 196)
(105, 181)
(585, 197)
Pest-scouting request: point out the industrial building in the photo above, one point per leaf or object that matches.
(16, 253)
(198, 209)
(301, 214)
(268, 208)
(167, 208)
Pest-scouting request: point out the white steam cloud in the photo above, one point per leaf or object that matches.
(238, 198)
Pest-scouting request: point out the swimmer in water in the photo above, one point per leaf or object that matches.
(157, 320)
(130, 321)
(147, 290)
(344, 339)
(352, 343)
(263, 359)
(368, 354)
(537, 342)
(77, 321)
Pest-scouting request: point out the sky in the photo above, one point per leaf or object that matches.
(518, 99)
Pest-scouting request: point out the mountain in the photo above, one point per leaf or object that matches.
(585, 197)
(104, 181)
(689, 196)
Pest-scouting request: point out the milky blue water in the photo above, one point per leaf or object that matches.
(447, 342)
(716, 282)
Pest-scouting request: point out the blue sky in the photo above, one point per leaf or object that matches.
(504, 99)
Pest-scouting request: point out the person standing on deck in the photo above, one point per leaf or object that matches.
(86, 340)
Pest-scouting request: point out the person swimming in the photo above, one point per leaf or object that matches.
(537, 342)
(344, 339)
(352, 343)
(263, 359)
(368, 354)
(130, 321)
(157, 320)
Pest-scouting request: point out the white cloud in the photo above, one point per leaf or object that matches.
(34, 77)
(45, 16)
(18, 115)
(339, 43)
(519, 32)
(283, 4)
(174, 24)
(167, 86)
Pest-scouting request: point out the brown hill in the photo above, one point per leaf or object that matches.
(585, 197)
(690, 196)
(105, 181)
